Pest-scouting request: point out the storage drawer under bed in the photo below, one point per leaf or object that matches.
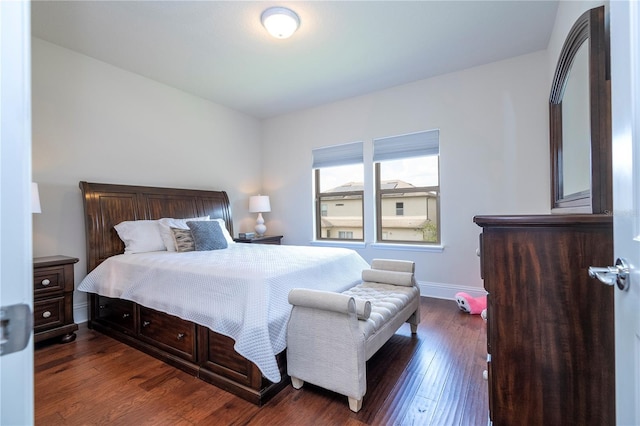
(117, 312)
(168, 332)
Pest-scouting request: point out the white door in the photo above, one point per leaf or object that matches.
(16, 280)
(625, 96)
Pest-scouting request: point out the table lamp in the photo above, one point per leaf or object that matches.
(259, 204)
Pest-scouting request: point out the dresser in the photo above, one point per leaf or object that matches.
(53, 298)
(550, 329)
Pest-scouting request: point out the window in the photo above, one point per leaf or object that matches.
(408, 188)
(339, 192)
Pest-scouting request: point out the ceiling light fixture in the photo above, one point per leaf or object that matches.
(280, 22)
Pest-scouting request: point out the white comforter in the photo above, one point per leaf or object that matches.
(240, 291)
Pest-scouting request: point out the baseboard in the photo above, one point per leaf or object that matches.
(447, 291)
(81, 313)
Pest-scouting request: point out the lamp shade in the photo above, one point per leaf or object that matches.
(259, 204)
(35, 198)
(280, 22)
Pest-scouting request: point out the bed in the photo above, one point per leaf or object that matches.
(220, 315)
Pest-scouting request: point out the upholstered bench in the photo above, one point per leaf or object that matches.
(330, 336)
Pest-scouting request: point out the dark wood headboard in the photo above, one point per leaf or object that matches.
(106, 205)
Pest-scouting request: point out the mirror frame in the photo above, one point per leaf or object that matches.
(589, 28)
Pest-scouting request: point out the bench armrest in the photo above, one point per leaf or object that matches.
(394, 265)
(388, 277)
(330, 301)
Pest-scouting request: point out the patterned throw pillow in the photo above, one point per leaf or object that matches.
(183, 239)
(207, 235)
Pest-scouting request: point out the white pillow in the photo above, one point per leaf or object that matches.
(165, 225)
(225, 231)
(140, 236)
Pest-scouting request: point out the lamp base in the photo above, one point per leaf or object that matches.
(260, 226)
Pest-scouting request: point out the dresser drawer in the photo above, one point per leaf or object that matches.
(47, 281)
(118, 312)
(168, 332)
(48, 313)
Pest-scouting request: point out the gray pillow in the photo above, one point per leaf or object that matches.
(207, 235)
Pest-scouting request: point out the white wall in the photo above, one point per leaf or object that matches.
(95, 122)
(92, 121)
(494, 149)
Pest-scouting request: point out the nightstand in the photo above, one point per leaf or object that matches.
(266, 239)
(53, 298)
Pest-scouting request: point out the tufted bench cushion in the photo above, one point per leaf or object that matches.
(387, 300)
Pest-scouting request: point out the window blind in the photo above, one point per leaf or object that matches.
(405, 146)
(338, 155)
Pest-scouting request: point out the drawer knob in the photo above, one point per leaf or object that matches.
(45, 282)
(125, 316)
(46, 314)
(180, 336)
(146, 323)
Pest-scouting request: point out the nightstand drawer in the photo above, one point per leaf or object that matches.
(265, 239)
(48, 280)
(48, 313)
(274, 241)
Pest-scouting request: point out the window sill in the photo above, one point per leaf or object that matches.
(344, 244)
(408, 247)
(379, 246)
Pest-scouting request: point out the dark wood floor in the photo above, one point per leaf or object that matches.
(434, 379)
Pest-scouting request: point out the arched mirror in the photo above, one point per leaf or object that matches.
(580, 120)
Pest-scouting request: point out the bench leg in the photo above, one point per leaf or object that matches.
(296, 383)
(355, 404)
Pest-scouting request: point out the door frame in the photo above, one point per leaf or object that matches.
(16, 258)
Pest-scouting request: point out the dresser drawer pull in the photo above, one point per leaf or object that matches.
(180, 336)
(45, 282)
(146, 323)
(103, 306)
(125, 316)
(46, 314)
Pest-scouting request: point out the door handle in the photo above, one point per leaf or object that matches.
(16, 325)
(611, 275)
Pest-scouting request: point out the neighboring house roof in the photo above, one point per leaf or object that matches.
(341, 222)
(395, 184)
(411, 222)
(359, 186)
(347, 187)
